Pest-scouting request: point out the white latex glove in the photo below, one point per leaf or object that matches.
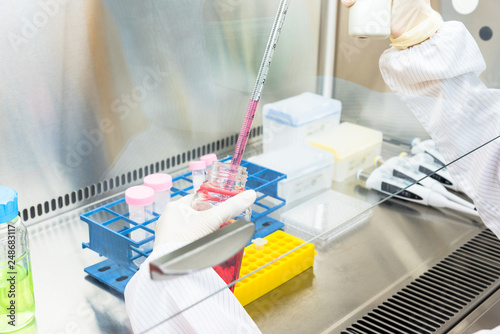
(180, 223)
(412, 20)
(495, 330)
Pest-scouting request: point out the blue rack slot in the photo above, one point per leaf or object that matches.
(266, 226)
(111, 274)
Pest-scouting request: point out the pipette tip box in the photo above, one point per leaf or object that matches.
(280, 269)
(353, 146)
(292, 120)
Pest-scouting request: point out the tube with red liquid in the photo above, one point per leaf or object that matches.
(223, 181)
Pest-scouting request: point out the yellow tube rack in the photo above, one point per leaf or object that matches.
(278, 272)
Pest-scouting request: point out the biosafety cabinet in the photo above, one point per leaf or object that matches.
(98, 94)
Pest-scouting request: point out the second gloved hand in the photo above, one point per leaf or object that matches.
(495, 330)
(181, 223)
(412, 21)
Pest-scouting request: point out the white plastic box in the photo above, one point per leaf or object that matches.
(354, 147)
(308, 169)
(291, 121)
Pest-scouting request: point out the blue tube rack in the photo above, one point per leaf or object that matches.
(110, 229)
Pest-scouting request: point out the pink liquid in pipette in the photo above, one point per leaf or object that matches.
(259, 83)
(244, 133)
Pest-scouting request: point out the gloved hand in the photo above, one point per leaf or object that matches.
(412, 21)
(181, 223)
(495, 330)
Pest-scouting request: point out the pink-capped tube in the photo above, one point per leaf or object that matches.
(140, 201)
(209, 159)
(197, 169)
(161, 184)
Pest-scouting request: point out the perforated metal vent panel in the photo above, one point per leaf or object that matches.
(102, 189)
(441, 297)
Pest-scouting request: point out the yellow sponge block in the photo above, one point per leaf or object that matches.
(278, 272)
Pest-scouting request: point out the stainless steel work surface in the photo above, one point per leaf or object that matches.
(67, 300)
(486, 316)
(361, 269)
(351, 274)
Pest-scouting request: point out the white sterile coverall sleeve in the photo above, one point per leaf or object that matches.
(151, 302)
(495, 330)
(438, 80)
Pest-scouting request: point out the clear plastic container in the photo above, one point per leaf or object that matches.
(17, 300)
(291, 121)
(326, 216)
(161, 184)
(308, 170)
(223, 181)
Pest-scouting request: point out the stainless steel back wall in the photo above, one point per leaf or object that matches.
(92, 90)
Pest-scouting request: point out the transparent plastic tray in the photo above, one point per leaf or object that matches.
(326, 216)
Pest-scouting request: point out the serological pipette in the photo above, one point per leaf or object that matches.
(400, 167)
(259, 83)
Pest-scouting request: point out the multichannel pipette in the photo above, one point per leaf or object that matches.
(400, 167)
(259, 84)
(382, 181)
(426, 164)
(427, 146)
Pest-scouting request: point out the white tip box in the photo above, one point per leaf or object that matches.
(354, 147)
(292, 120)
(308, 170)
